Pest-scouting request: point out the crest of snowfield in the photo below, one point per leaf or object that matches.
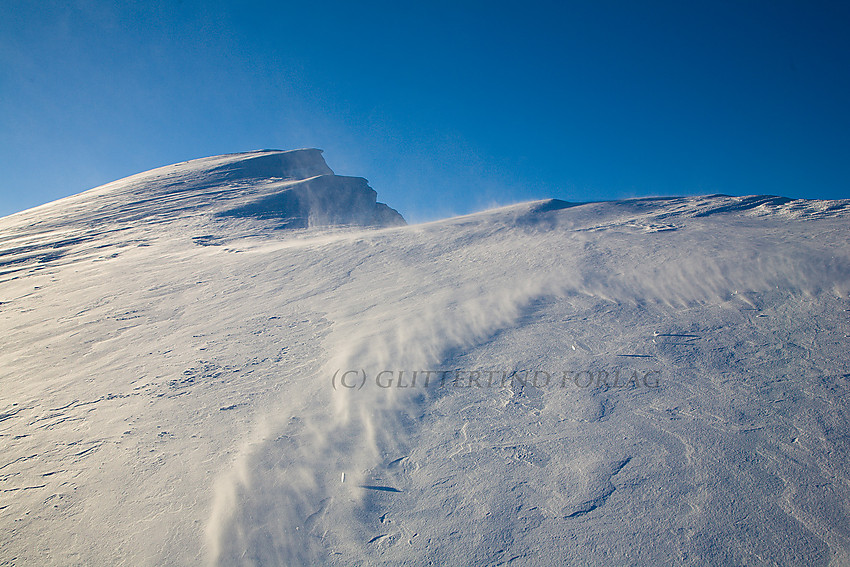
(296, 188)
(213, 200)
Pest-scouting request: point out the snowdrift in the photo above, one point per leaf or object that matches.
(247, 360)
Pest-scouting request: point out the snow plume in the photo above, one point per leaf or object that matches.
(285, 502)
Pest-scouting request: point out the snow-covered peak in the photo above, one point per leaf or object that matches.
(296, 187)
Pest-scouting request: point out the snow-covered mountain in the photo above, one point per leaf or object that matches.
(247, 360)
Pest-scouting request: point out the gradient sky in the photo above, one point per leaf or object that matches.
(445, 107)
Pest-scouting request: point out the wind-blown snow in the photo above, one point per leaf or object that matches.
(174, 342)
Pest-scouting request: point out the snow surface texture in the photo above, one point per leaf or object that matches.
(651, 381)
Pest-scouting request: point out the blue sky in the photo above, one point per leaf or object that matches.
(445, 107)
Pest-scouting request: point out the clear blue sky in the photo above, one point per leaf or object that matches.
(446, 107)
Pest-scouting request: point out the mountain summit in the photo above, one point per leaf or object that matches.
(296, 188)
(214, 199)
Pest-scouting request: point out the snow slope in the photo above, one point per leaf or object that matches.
(225, 362)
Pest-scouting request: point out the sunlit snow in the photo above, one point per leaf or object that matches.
(247, 360)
